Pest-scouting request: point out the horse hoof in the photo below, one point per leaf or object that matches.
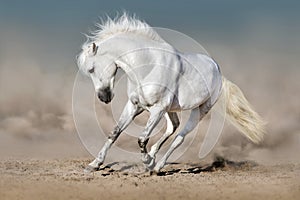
(89, 169)
(154, 173)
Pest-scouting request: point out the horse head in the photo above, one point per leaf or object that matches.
(101, 68)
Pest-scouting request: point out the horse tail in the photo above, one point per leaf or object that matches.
(241, 114)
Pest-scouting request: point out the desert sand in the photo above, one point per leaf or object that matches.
(64, 179)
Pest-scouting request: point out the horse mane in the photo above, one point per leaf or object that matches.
(122, 24)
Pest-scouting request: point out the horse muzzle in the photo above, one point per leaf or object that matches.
(105, 95)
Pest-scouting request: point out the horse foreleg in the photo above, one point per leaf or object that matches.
(172, 125)
(156, 114)
(128, 114)
(196, 115)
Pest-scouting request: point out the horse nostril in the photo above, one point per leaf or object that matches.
(99, 96)
(105, 95)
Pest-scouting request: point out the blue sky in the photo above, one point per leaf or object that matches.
(53, 28)
(210, 15)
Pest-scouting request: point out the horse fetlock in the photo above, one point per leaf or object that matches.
(148, 161)
(142, 141)
(151, 164)
(146, 158)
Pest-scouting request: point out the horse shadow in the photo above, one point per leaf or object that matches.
(176, 168)
(218, 164)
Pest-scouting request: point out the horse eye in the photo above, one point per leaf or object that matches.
(92, 70)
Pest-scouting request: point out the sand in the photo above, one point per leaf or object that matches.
(64, 179)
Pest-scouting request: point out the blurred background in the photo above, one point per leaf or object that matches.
(256, 43)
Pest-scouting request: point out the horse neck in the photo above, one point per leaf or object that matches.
(124, 47)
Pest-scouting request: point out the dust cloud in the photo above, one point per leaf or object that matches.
(35, 109)
(33, 101)
(269, 80)
(36, 112)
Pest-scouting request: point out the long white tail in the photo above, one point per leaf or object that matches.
(240, 113)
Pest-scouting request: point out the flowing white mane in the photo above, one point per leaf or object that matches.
(123, 24)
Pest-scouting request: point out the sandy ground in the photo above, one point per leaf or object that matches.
(64, 179)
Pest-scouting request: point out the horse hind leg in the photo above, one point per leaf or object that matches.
(156, 113)
(172, 125)
(128, 114)
(196, 115)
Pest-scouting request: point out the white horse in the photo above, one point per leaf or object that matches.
(161, 80)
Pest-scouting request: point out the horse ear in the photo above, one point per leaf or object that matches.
(95, 48)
